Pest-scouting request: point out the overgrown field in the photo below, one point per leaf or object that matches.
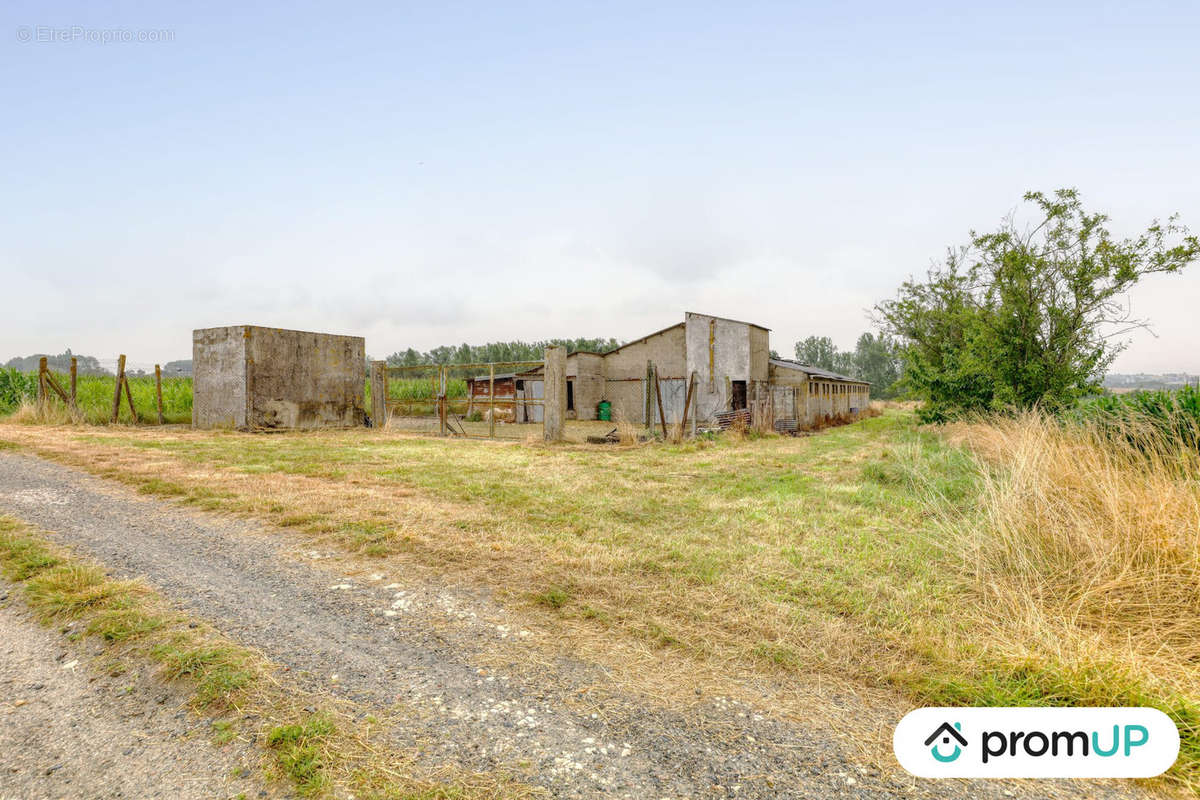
(94, 393)
(1014, 561)
(1172, 415)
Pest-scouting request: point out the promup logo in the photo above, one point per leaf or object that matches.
(1036, 742)
(947, 732)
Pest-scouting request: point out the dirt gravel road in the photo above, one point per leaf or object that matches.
(70, 730)
(429, 650)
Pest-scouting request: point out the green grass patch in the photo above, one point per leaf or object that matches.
(554, 597)
(299, 752)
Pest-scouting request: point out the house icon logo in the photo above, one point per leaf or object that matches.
(946, 732)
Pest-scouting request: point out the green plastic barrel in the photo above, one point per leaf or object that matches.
(605, 410)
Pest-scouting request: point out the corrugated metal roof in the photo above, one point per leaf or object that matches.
(816, 372)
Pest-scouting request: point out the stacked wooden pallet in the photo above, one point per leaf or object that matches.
(728, 419)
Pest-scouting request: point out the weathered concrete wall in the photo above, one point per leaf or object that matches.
(587, 370)
(298, 379)
(555, 400)
(760, 353)
(278, 378)
(625, 371)
(731, 360)
(219, 377)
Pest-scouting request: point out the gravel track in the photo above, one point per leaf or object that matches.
(423, 648)
(71, 730)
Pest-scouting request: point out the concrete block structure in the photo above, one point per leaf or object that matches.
(731, 364)
(251, 377)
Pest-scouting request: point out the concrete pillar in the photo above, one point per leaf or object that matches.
(554, 396)
(378, 394)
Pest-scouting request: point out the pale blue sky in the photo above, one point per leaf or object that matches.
(433, 173)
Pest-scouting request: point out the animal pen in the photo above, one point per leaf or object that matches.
(496, 400)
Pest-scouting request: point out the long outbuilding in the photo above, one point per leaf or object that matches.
(729, 365)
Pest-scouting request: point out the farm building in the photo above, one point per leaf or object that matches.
(513, 391)
(248, 377)
(728, 360)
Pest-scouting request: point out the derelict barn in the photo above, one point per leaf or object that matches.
(514, 393)
(728, 362)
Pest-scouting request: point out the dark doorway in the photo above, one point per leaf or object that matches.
(739, 395)
(570, 395)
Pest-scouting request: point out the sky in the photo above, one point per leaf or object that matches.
(433, 173)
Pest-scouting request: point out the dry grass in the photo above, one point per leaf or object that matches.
(710, 564)
(1084, 566)
(31, 413)
(1029, 567)
(1090, 529)
(628, 434)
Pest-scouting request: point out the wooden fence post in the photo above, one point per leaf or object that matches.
(492, 401)
(74, 373)
(687, 403)
(662, 418)
(41, 399)
(442, 400)
(378, 394)
(649, 404)
(133, 415)
(116, 403)
(158, 393)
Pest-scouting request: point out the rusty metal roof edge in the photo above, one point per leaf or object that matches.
(819, 372)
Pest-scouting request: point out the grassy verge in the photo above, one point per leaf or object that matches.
(316, 751)
(854, 558)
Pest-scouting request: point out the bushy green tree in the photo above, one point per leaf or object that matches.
(1026, 316)
(875, 358)
(818, 351)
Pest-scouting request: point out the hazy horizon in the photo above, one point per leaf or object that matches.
(431, 175)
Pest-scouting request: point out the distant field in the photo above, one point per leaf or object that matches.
(952, 567)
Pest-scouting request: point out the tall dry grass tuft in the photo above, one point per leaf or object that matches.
(52, 413)
(1101, 531)
(675, 432)
(628, 434)
(1081, 571)
(1088, 544)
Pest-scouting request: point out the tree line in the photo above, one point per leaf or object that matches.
(86, 365)
(496, 351)
(875, 358)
